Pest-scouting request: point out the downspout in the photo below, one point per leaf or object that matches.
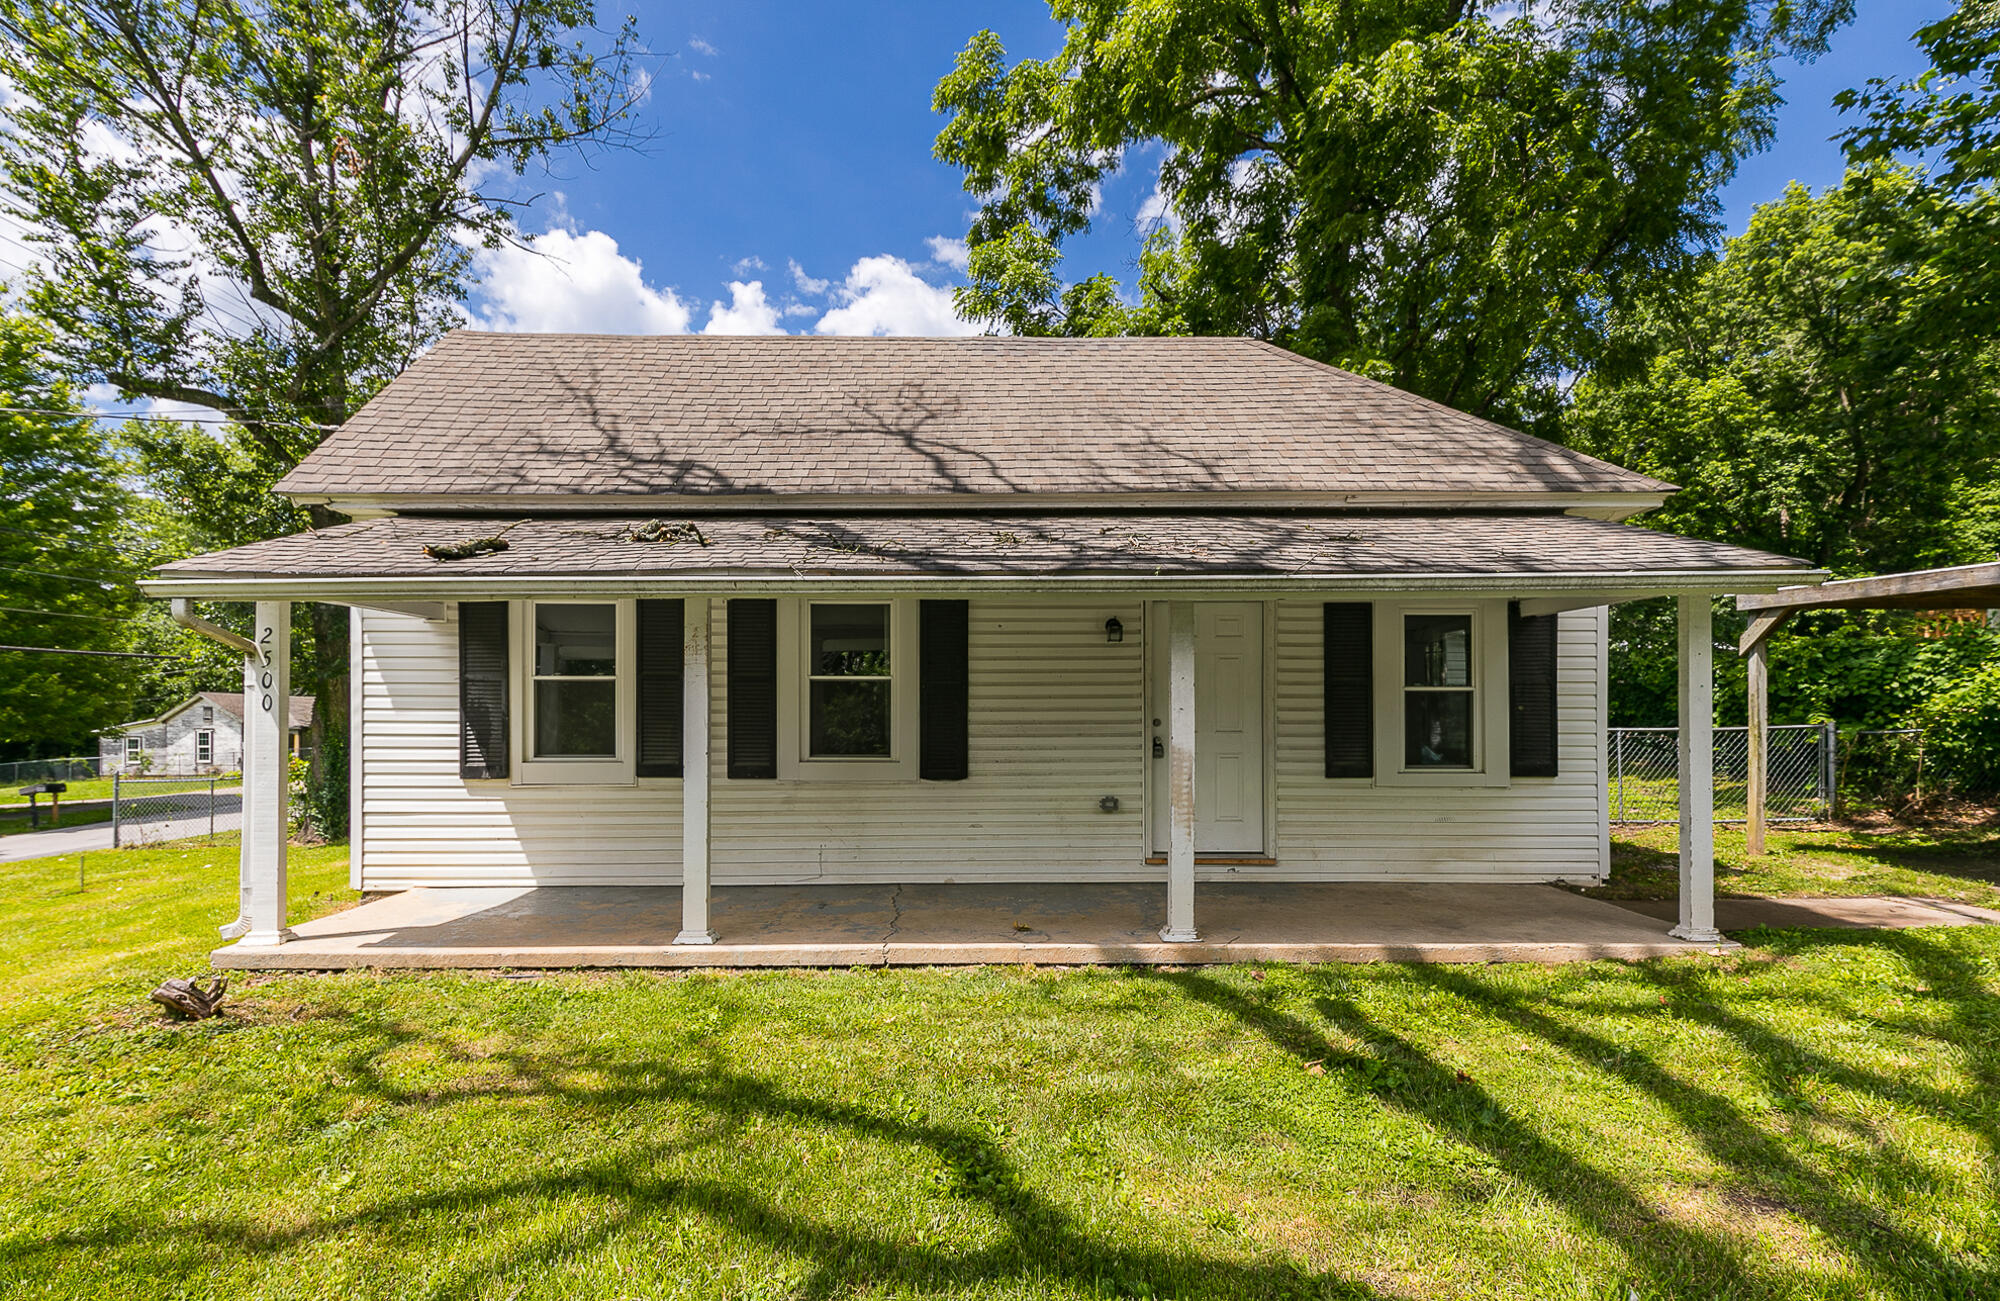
(184, 615)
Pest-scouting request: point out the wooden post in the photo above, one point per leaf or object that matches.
(1697, 775)
(1758, 795)
(695, 928)
(267, 727)
(1180, 928)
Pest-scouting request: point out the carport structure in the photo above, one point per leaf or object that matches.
(1960, 587)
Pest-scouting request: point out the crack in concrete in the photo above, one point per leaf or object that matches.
(895, 920)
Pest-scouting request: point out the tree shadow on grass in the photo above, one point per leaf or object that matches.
(1767, 1172)
(1040, 1245)
(1668, 1256)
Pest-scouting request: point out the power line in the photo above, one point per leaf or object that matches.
(49, 573)
(94, 414)
(61, 614)
(57, 650)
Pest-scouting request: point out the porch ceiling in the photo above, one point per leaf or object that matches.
(751, 551)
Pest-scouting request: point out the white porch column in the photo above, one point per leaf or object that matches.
(1180, 775)
(1760, 746)
(695, 928)
(267, 730)
(1697, 771)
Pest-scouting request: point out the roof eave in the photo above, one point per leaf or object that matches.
(362, 588)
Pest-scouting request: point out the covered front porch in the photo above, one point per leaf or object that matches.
(964, 925)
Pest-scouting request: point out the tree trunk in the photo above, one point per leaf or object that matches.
(326, 682)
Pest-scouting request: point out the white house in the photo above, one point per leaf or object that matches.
(204, 733)
(701, 612)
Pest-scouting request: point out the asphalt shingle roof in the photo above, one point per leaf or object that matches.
(895, 546)
(539, 415)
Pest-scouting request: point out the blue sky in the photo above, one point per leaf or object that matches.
(790, 184)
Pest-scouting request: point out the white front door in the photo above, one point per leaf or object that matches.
(1229, 728)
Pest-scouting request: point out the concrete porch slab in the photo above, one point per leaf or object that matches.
(963, 925)
(1874, 912)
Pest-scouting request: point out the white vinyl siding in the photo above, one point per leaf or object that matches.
(423, 824)
(1057, 723)
(1532, 829)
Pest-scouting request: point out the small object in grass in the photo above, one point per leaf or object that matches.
(189, 999)
(1315, 1068)
(1256, 975)
(1463, 1077)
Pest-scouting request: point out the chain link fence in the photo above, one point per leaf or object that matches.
(1645, 768)
(30, 772)
(149, 810)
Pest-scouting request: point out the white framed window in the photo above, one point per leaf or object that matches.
(135, 751)
(574, 720)
(1441, 693)
(204, 746)
(847, 689)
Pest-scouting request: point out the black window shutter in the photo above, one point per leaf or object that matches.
(1531, 694)
(753, 688)
(943, 691)
(1349, 689)
(483, 689)
(660, 692)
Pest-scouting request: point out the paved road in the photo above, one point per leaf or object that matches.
(89, 839)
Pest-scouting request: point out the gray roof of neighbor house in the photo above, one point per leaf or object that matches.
(558, 418)
(231, 703)
(918, 546)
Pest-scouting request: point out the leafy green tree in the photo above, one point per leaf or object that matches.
(65, 575)
(1824, 389)
(1448, 195)
(265, 209)
(1946, 119)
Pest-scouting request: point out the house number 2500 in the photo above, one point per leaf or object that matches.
(266, 678)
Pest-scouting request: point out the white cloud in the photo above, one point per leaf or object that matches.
(949, 252)
(807, 284)
(745, 265)
(884, 295)
(569, 282)
(1156, 211)
(699, 46)
(801, 309)
(747, 313)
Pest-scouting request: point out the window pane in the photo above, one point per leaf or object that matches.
(576, 641)
(1437, 650)
(1437, 729)
(576, 720)
(850, 641)
(850, 718)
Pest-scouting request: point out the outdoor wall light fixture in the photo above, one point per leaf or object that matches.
(1114, 630)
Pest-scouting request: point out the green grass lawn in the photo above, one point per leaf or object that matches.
(1955, 861)
(1815, 1116)
(99, 788)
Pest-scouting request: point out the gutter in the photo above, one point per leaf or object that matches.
(184, 615)
(475, 586)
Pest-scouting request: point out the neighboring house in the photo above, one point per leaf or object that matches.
(682, 611)
(204, 733)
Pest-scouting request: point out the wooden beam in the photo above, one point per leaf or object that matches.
(1762, 627)
(1961, 586)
